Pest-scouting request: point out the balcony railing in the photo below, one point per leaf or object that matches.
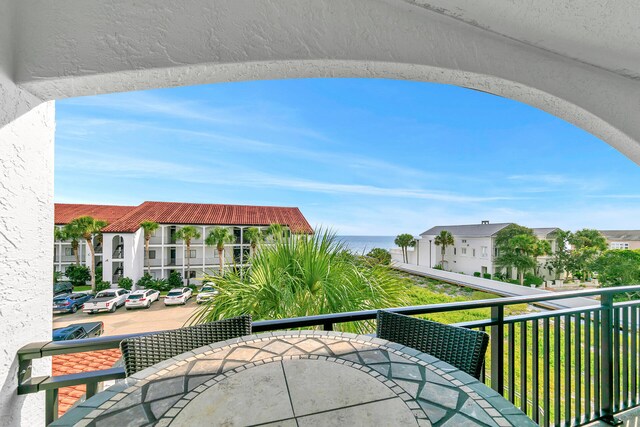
(562, 367)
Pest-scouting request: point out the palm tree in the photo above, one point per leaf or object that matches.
(443, 239)
(218, 237)
(71, 232)
(89, 227)
(254, 236)
(276, 231)
(302, 277)
(404, 241)
(149, 228)
(188, 233)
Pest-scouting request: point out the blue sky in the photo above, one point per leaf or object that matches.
(361, 156)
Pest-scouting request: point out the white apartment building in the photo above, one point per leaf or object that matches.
(474, 248)
(122, 251)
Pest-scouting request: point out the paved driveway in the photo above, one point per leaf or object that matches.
(123, 321)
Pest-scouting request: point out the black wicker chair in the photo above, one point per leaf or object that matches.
(141, 352)
(460, 347)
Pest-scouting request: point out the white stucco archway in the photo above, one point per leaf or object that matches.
(580, 63)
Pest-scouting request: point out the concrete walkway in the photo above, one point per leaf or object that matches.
(492, 286)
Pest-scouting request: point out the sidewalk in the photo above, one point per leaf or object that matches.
(493, 286)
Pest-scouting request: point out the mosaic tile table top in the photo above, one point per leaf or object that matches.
(302, 378)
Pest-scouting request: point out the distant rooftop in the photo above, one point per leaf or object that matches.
(484, 229)
(127, 219)
(621, 234)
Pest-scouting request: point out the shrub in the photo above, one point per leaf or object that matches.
(102, 285)
(162, 285)
(499, 276)
(125, 283)
(78, 275)
(476, 273)
(531, 279)
(175, 280)
(145, 282)
(98, 273)
(438, 267)
(56, 276)
(379, 255)
(487, 275)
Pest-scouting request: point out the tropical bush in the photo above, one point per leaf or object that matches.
(304, 276)
(145, 282)
(175, 280)
(379, 255)
(78, 274)
(530, 279)
(125, 283)
(102, 285)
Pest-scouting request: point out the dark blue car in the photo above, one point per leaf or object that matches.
(69, 303)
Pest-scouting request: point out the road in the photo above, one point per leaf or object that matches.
(156, 318)
(493, 286)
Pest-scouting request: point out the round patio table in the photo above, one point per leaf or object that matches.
(301, 378)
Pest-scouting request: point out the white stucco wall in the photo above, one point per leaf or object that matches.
(26, 248)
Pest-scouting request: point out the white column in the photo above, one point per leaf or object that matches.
(204, 248)
(26, 237)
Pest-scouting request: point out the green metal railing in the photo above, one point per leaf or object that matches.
(561, 367)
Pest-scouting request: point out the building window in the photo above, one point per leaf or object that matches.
(619, 245)
(484, 251)
(496, 252)
(454, 251)
(473, 252)
(190, 275)
(68, 251)
(152, 254)
(464, 241)
(192, 254)
(463, 251)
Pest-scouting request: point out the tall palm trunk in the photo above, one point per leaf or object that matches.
(442, 252)
(93, 265)
(188, 261)
(75, 246)
(146, 249)
(220, 258)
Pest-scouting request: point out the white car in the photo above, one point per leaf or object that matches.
(207, 292)
(178, 296)
(107, 300)
(143, 298)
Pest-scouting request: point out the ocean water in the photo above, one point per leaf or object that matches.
(363, 244)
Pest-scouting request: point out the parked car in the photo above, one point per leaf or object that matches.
(207, 292)
(62, 288)
(69, 303)
(143, 298)
(107, 300)
(78, 331)
(178, 296)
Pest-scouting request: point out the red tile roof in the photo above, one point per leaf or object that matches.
(80, 362)
(127, 219)
(65, 212)
(209, 214)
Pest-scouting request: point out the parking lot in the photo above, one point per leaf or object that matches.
(123, 321)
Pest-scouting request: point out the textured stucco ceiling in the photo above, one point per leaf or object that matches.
(598, 32)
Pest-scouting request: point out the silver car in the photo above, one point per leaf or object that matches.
(207, 292)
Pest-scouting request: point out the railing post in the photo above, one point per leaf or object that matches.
(497, 349)
(51, 406)
(92, 389)
(606, 357)
(327, 326)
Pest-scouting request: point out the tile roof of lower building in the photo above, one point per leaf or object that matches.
(210, 214)
(127, 219)
(65, 212)
(80, 362)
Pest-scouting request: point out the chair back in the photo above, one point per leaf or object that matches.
(460, 347)
(141, 352)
